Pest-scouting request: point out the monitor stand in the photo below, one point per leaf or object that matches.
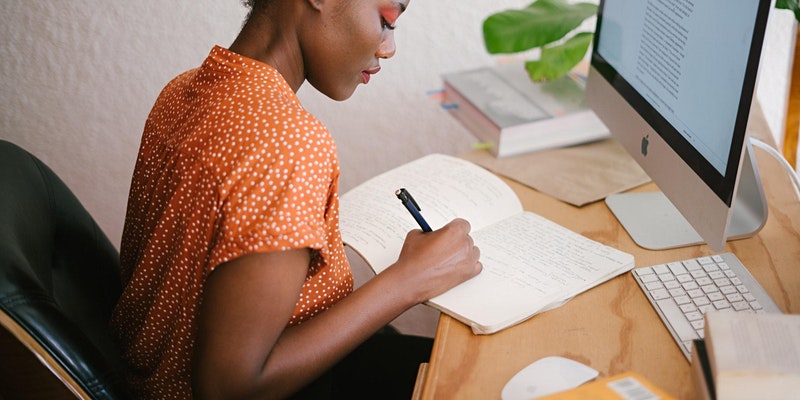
(654, 223)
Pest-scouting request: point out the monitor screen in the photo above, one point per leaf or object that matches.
(674, 80)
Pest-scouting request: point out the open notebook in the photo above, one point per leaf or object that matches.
(530, 263)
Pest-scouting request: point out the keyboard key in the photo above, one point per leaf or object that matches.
(705, 260)
(701, 301)
(660, 269)
(683, 300)
(740, 306)
(696, 293)
(699, 273)
(715, 296)
(694, 316)
(742, 289)
(728, 289)
(687, 308)
(672, 284)
(710, 267)
(659, 294)
(677, 268)
(649, 278)
(704, 281)
(692, 265)
(730, 274)
(722, 282)
(677, 292)
(710, 289)
(734, 297)
(722, 304)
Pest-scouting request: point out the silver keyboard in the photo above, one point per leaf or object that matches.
(682, 291)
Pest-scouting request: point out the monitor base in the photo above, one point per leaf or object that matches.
(654, 223)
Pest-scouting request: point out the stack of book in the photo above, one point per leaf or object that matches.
(504, 109)
(748, 356)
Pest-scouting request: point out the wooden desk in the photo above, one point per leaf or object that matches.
(612, 327)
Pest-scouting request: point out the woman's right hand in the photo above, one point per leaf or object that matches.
(433, 262)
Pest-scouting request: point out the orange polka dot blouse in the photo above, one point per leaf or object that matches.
(230, 163)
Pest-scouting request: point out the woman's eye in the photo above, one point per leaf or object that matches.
(386, 25)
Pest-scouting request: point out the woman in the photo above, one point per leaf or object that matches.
(237, 285)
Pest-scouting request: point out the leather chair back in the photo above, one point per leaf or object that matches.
(59, 277)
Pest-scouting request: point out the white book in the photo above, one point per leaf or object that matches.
(502, 107)
(753, 356)
(530, 264)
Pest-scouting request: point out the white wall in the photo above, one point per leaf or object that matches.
(78, 77)
(775, 70)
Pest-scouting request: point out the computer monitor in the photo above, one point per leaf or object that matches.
(673, 80)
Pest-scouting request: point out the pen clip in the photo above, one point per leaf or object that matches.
(405, 197)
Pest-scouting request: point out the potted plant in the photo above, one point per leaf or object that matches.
(550, 26)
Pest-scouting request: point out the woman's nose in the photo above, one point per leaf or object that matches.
(387, 47)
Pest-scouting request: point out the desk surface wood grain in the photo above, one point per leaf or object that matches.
(612, 327)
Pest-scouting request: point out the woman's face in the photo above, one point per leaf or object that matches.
(345, 48)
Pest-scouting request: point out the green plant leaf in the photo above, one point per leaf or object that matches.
(556, 61)
(791, 5)
(542, 22)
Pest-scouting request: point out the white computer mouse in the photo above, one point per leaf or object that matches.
(546, 376)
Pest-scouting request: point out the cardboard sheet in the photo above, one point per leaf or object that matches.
(578, 175)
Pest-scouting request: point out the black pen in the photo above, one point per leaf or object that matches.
(413, 208)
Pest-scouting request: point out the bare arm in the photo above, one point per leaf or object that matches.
(243, 349)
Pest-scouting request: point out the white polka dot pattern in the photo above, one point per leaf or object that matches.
(230, 163)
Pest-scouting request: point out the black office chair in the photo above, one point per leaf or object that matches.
(59, 280)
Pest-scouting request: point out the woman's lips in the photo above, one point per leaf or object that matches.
(365, 75)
